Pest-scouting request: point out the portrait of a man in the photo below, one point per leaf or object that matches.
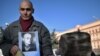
(28, 43)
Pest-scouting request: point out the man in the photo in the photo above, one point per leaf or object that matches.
(27, 43)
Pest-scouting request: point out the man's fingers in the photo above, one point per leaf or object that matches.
(14, 50)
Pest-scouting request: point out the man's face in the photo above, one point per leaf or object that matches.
(26, 10)
(27, 39)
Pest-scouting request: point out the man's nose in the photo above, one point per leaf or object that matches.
(25, 11)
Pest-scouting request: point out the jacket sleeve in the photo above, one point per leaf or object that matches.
(6, 46)
(46, 42)
(7, 35)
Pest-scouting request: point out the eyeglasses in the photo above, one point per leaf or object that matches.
(27, 9)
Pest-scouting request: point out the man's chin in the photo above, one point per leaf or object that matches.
(25, 18)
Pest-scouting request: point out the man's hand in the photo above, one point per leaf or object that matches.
(14, 50)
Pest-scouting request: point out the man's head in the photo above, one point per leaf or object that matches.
(27, 39)
(26, 9)
(75, 44)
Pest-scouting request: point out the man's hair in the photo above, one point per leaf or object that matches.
(24, 33)
(32, 35)
(72, 44)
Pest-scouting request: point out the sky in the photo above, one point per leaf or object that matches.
(60, 15)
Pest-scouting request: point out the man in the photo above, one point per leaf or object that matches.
(1, 35)
(27, 23)
(28, 43)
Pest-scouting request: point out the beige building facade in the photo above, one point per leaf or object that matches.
(92, 28)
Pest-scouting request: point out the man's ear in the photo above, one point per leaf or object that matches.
(32, 10)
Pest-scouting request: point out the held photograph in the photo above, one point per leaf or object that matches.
(28, 43)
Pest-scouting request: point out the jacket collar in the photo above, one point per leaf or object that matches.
(17, 24)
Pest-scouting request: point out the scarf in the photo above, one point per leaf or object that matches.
(26, 24)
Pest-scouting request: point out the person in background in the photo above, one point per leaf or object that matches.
(27, 23)
(4, 47)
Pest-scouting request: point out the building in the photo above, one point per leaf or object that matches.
(93, 29)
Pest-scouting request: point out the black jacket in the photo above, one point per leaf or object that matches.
(12, 30)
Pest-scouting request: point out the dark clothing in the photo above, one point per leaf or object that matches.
(4, 46)
(6, 49)
(44, 35)
(75, 44)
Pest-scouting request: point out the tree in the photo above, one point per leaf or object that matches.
(53, 39)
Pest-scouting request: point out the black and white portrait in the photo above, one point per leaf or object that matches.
(28, 43)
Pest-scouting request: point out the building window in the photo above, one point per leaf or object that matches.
(99, 36)
(96, 30)
(99, 29)
(94, 45)
(90, 31)
(99, 44)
